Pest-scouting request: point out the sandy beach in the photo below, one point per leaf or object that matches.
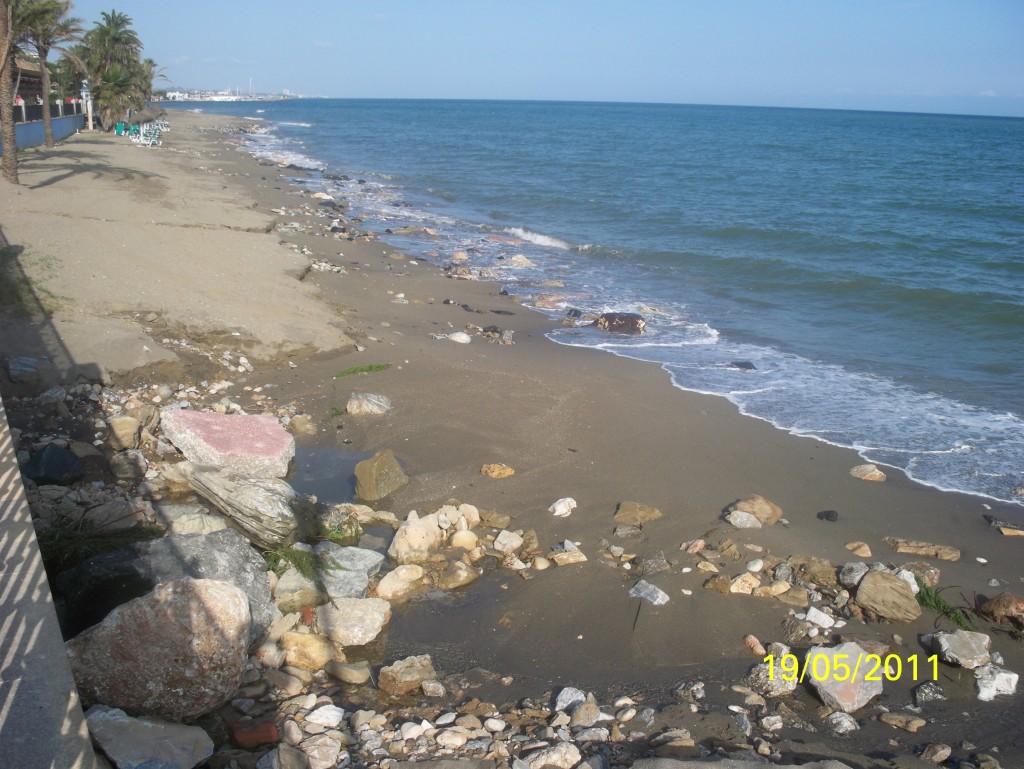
(145, 263)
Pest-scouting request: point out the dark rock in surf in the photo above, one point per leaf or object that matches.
(621, 322)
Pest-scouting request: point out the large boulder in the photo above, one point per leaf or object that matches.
(54, 464)
(962, 647)
(417, 539)
(141, 743)
(887, 596)
(105, 581)
(264, 508)
(379, 476)
(251, 444)
(176, 653)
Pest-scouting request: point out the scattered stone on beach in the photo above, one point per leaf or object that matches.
(497, 470)
(867, 472)
(929, 691)
(636, 514)
(859, 549)
(962, 647)
(459, 336)
(828, 515)
(766, 512)
(129, 465)
(251, 444)
(379, 476)
(54, 464)
(146, 742)
(936, 752)
(201, 628)
(621, 322)
(368, 404)
(125, 432)
(417, 539)
(406, 675)
(264, 508)
(562, 508)
(1006, 528)
(993, 681)
(886, 596)
(853, 692)
(188, 518)
(399, 583)
(904, 721)
(926, 549)
(308, 651)
(841, 723)
(743, 520)
(649, 592)
(353, 621)
(1004, 608)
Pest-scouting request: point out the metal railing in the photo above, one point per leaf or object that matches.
(26, 113)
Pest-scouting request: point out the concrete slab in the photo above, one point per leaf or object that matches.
(41, 722)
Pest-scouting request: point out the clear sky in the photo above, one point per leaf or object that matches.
(952, 56)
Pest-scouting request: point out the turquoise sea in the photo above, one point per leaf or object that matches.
(864, 269)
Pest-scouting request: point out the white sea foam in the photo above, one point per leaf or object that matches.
(545, 241)
(296, 125)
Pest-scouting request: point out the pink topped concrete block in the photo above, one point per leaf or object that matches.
(251, 444)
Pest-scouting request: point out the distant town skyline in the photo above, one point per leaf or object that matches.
(916, 55)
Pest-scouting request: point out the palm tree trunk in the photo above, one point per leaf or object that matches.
(9, 161)
(45, 77)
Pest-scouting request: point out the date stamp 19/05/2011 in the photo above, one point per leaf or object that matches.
(850, 667)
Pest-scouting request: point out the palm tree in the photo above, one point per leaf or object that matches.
(113, 63)
(47, 27)
(8, 34)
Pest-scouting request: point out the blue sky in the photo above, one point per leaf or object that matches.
(949, 56)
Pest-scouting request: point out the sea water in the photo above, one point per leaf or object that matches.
(853, 276)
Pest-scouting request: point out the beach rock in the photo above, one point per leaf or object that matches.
(564, 755)
(187, 518)
(264, 508)
(507, 542)
(453, 575)
(25, 369)
(851, 574)
(461, 337)
(345, 572)
(308, 651)
(125, 432)
(368, 404)
(302, 424)
(993, 681)
(562, 508)
(851, 694)
(1004, 608)
(962, 647)
(130, 465)
(744, 583)
(732, 763)
(406, 675)
(417, 539)
(649, 592)
(322, 751)
(105, 581)
(54, 464)
(294, 592)
(766, 512)
(842, 723)
(867, 473)
(116, 515)
(925, 549)
(621, 322)
(636, 514)
(284, 756)
(201, 628)
(904, 721)
(379, 476)
(769, 680)
(888, 597)
(497, 470)
(936, 752)
(353, 621)
(929, 691)
(251, 444)
(743, 520)
(146, 743)
(355, 673)
(859, 549)
(400, 582)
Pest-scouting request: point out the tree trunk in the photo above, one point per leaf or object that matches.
(45, 77)
(9, 161)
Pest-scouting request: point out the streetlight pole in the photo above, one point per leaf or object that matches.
(87, 100)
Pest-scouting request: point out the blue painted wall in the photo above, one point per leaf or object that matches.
(33, 135)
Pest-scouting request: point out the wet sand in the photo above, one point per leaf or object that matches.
(199, 263)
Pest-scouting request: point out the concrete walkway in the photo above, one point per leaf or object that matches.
(41, 723)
